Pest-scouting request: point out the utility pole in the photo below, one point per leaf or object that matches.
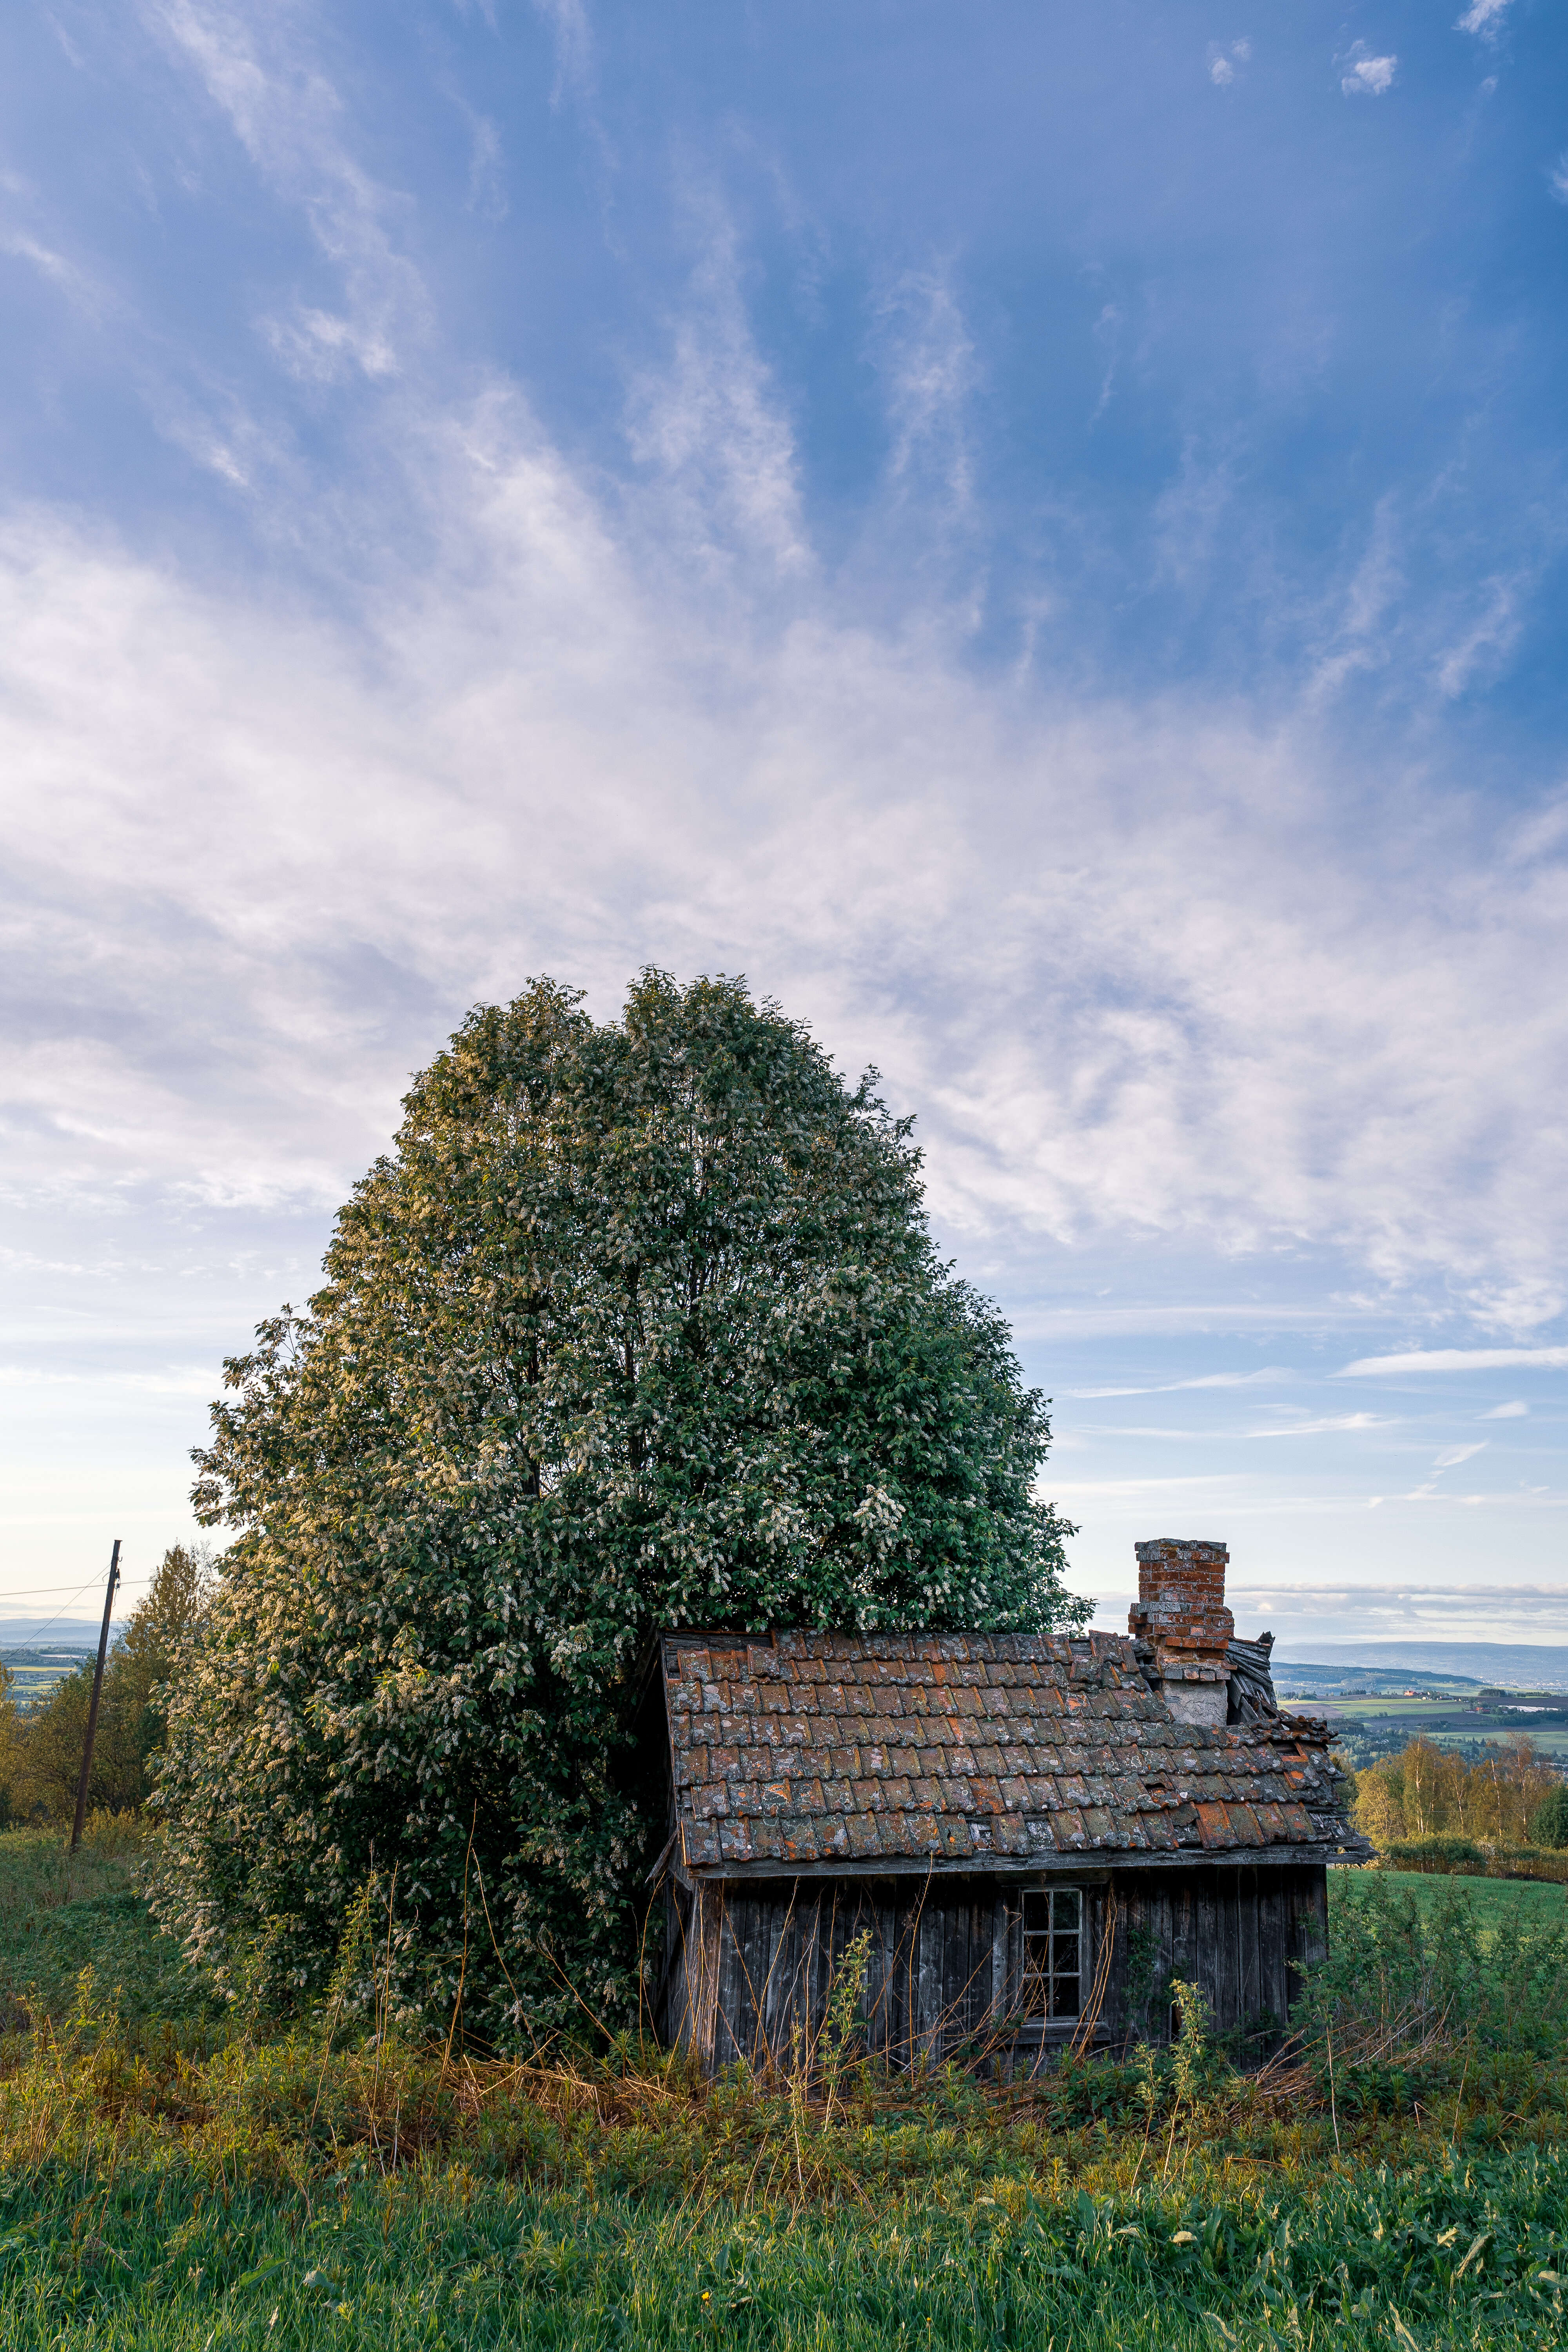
(97, 1694)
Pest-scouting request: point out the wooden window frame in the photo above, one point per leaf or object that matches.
(1049, 2019)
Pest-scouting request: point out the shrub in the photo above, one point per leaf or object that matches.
(640, 1327)
(1405, 1985)
(1549, 1822)
(1435, 1854)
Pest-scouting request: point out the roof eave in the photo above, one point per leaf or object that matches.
(1012, 1866)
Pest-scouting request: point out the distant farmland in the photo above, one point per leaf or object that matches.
(35, 1671)
(1376, 1714)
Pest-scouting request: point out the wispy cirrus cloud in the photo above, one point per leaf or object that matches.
(1332, 1425)
(1454, 1360)
(1188, 958)
(573, 37)
(712, 432)
(261, 69)
(1266, 1376)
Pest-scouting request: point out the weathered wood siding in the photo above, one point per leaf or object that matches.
(749, 1966)
(1241, 1935)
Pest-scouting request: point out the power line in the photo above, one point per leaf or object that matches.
(29, 1591)
(55, 1619)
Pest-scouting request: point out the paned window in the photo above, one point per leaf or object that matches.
(1053, 1943)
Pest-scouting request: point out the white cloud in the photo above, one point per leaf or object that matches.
(930, 373)
(1452, 1456)
(1222, 71)
(1368, 77)
(1453, 1360)
(487, 173)
(320, 348)
(1108, 1490)
(1532, 1499)
(1558, 180)
(568, 19)
(1174, 1436)
(1514, 1411)
(1330, 1425)
(194, 1381)
(1486, 640)
(1418, 1610)
(257, 68)
(568, 741)
(1416, 1591)
(711, 431)
(1485, 17)
(1159, 971)
(67, 277)
(1269, 1372)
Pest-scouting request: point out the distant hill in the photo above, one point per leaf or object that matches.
(1295, 1676)
(1508, 1666)
(60, 1632)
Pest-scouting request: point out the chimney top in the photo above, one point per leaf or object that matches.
(1180, 1613)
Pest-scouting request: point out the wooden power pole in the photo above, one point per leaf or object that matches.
(96, 1695)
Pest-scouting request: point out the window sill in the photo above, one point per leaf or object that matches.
(1059, 2029)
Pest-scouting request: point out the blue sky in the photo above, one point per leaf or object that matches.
(1036, 532)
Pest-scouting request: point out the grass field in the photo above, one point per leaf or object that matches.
(172, 2182)
(1492, 1900)
(60, 1913)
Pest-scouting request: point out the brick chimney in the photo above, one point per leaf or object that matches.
(1181, 1614)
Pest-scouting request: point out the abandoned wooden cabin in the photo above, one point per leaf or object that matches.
(1040, 1832)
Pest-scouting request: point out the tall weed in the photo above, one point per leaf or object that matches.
(1411, 1991)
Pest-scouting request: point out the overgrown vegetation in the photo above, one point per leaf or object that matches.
(198, 2178)
(640, 1326)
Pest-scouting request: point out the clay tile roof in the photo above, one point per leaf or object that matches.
(940, 1749)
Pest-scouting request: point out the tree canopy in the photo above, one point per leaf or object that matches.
(639, 1325)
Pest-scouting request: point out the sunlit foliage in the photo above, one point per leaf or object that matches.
(639, 1325)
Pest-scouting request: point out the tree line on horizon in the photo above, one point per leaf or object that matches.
(41, 1743)
(1511, 1798)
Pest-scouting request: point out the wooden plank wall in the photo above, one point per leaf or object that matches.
(1232, 1931)
(750, 1967)
(754, 1965)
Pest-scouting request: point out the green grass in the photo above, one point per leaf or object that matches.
(1453, 2256)
(170, 2183)
(60, 1913)
(1494, 1900)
